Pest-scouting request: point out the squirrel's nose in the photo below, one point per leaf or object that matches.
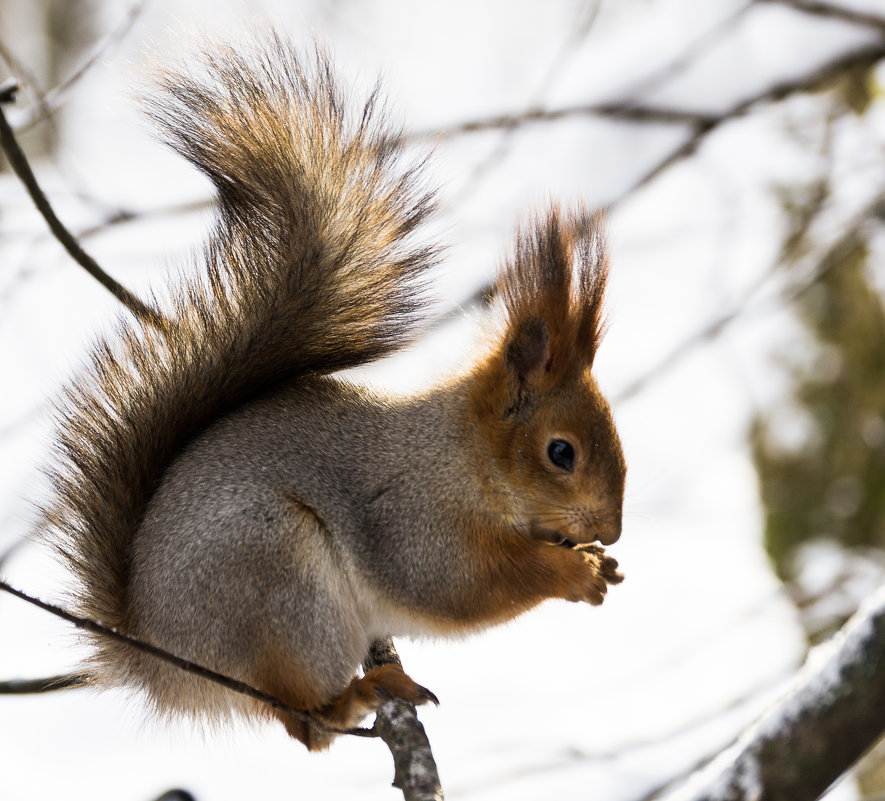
(610, 533)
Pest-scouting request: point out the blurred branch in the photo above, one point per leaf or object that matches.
(688, 57)
(833, 12)
(816, 80)
(710, 331)
(702, 124)
(625, 111)
(742, 308)
(510, 124)
(19, 163)
(8, 553)
(121, 216)
(112, 218)
(633, 749)
(628, 110)
(748, 704)
(577, 35)
(831, 716)
(19, 69)
(56, 97)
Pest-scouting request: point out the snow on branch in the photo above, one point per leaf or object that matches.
(830, 716)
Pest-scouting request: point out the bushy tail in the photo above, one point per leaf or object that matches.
(312, 267)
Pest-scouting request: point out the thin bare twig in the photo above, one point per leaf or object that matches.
(18, 68)
(688, 57)
(537, 112)
(704, 125)
(11, 550)
(863, 57)
(19, 163)
(853, 16)
(123, 216)
(741, 309)
(45, 685)
(396, 721)
(183, 664)
(627, 112)
(536, 101)
(56, 97)
(630, 110)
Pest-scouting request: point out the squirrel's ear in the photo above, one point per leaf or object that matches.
(528, 350)
(526, 361)
(552, 291)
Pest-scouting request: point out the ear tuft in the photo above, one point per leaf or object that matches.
(553, 291)
(592, 255)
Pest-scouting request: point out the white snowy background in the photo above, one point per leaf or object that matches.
(568, 702)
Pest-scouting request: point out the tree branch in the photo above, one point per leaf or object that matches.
(831, 716)
(398, 726)
(864, 57)
(16, 67)
(626, 111)
(741, 309)
(577, 34)
(702, 124)
(19, 163)
(832, 12)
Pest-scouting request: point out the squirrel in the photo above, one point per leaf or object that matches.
(221, 492)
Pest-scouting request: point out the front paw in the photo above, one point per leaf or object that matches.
(601, 571)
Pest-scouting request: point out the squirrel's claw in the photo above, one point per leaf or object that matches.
(425, 696)
(390, 681)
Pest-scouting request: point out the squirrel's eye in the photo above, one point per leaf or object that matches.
(562, 453)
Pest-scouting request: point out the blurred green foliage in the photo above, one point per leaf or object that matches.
(831, 483)
(821, 461)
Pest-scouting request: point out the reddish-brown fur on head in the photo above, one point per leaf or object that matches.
(550, 430)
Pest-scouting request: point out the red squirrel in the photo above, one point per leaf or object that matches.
(220, 492)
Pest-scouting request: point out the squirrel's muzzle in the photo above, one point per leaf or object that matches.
(605, 532)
